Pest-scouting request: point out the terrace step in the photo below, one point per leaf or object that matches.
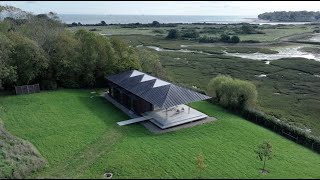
(131, 121)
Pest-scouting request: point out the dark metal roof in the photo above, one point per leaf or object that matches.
(154, 90)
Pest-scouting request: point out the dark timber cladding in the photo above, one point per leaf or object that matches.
(141, 92)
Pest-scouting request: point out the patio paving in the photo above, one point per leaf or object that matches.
(156, 130)
(181, 114)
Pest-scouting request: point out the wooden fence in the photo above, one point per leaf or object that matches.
(27, 89)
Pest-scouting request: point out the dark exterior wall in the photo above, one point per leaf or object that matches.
(128, 99)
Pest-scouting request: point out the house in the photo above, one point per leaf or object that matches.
(159, 101)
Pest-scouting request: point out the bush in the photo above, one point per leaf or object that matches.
(190, 34)
(232, 93)
(224, 38)
(155, 24)
(247, 29)
(207, 39)
(235, 39)
(173, 34)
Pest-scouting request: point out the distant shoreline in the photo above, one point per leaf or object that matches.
(147, 19)
(261, 21)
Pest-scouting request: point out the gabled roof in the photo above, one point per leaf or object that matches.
(154, 90)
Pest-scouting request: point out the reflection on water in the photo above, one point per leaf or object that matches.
(178, 50)
(261, 75)
(315, 38)
(284, 52)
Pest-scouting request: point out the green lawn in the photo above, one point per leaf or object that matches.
(76, 132)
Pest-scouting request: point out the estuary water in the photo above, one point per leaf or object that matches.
(125, 19)
(283, 52)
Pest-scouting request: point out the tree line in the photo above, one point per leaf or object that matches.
(291, 16)
(39, 49)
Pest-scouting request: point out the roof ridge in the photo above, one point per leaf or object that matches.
(170, 85)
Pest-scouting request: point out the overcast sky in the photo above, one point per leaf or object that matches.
(243, 8)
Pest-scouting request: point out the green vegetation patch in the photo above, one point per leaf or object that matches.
(76, 131)
(18, 158)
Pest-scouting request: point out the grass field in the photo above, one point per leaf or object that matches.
(76, 132)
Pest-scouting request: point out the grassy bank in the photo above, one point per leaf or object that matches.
(76, 132)
(18, 158)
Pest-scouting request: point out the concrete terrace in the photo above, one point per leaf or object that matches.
(162, 120)
(177, 115)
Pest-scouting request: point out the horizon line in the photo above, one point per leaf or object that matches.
(148, 14)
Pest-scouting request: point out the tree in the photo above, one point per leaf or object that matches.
(103, 23)
(64, 66)
(224, 38)
(74, 24)
(173, 34)
(232, 93)
(28, 58)
(201, 166)
(125, 57)
(235, 39)
(155, 24)
(247, 29)
(291, 16)
(38, 48)
(264, 153)
(150, 63)
(7, 71)
(41, 28)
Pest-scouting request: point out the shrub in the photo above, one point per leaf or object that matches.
(247, 29)
(232, 93)
(190, 34)
(155, 24)
(173, 34)
(235, 39)
(224, 38)
(207, 39)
